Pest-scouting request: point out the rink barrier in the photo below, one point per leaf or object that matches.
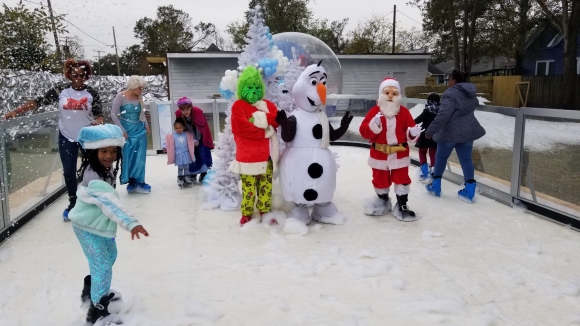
(9, 226)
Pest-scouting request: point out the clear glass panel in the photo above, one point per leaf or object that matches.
(222, 107)
(33, 164)
(550, 164)
(358, 108)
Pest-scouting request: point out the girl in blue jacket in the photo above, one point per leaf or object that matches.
(97, 213)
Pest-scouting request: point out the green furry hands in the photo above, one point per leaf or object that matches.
(251, 86)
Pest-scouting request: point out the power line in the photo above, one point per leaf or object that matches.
(409, 17)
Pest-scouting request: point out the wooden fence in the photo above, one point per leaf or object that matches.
(548, 91)
(505, 91)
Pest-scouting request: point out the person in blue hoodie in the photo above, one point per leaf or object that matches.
(97, 213)
(455, 127)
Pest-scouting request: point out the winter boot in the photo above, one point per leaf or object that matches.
(402, 212)
(72, 200)
(435, 187)
(100, 310)
(466, 194)
(86, 294)
(424, 172)
(244, 220)
(201, 176)
(180, 181)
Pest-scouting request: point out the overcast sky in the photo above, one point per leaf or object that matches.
(97, 17)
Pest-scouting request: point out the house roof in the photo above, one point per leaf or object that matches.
(482, 66)
(433, 70)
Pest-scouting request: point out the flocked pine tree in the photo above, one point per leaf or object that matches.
(222, 186)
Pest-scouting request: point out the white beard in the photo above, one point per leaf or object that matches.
(389, 108)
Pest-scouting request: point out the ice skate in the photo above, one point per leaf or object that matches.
(378, 206)
(425, 173)
(434, 188)
(86, 293)
(300, 212)
(468, 193)
(180, 182)
(189, 181)
(327, 213)
(143, 188)
(72, 201)
(402, 211)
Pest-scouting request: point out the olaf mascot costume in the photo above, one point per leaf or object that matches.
(389, 127)
(308, 167)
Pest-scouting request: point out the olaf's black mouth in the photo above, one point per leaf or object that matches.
(311, 101)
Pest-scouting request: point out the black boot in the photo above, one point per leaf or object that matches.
(99, 310)
(201, 176)
(402, 212)
(86, 294)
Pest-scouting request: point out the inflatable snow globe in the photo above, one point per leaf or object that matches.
(311, 50)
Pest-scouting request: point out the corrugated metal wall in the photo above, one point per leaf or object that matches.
(197, 78)
(200, 77)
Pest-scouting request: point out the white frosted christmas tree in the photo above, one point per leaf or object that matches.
(285, 99)
(222, 184)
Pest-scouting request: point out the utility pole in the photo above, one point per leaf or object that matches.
(116, 52)
(66, 48)
(58, 56)
(99, 59)
(394, 25)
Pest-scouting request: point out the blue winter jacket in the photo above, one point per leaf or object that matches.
(455, 122)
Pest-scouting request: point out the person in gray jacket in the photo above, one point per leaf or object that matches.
(455, 127)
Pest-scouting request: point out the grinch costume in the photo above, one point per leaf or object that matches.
(254, 127)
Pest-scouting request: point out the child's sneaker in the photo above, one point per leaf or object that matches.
(143, 188)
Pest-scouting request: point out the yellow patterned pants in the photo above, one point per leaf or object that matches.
(257, 186)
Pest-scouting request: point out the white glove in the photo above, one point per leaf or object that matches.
(375, 124)
(377, 120)
(415, 131)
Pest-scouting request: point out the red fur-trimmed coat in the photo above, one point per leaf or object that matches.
(394, 131)
(253, 138)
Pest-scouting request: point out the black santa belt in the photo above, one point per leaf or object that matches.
(390, 149)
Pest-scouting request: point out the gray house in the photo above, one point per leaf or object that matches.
(198, 74)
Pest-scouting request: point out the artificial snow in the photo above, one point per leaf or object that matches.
(491, 264)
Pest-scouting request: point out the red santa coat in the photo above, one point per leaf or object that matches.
(394, 131)
(252, 142)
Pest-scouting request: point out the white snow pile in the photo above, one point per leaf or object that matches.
(378, 268)
(375, 206)
(571, 290)
(574, 319)
(367, 253)
(294, 226)
(399, 284)
(483, 100)
(435, 306)
(337, 219)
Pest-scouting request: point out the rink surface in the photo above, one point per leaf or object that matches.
(460, 264)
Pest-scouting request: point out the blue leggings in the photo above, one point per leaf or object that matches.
(463, 153)
(101, 253)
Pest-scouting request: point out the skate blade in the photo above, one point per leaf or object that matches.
(465, 199)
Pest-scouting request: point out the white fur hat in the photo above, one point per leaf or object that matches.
(389, 82)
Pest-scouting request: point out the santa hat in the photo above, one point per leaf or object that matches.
(389, 82)
(101, 136)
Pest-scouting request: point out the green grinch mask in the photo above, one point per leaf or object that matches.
(250, 85)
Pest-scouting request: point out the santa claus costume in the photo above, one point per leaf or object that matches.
(389, 127)
(254, 126)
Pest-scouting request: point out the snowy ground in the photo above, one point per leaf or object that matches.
(460, 264)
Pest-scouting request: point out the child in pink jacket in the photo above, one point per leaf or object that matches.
(181, 152)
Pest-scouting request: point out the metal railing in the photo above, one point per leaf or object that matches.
(505, 175)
